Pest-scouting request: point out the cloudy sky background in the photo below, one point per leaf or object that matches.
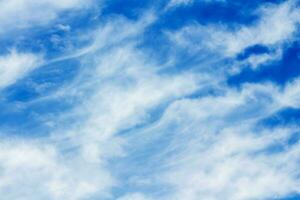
(149, 100)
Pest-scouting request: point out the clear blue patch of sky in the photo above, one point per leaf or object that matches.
(229, 13)
(253, 50)
(287, 116)
(279, 72)
(29, 120)
(131, 9)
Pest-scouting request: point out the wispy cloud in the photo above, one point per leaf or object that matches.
(282, 19)
(139, 128)
(14, 66)
(21, 14)
(177, 3)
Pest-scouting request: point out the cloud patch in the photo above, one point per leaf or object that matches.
(14, 66)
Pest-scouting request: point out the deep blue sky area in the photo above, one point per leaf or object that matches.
(282, 71)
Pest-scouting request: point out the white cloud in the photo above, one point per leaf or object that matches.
(20, 14)
(228, 170)
(134, 196)
(14, 66)
(281, 19)
(215, 150)
(218, 153)
(256, 61)
(115, 90)
(35, 170)
(290, 95)
(176, 3)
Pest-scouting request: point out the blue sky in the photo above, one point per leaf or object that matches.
(149, 100)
